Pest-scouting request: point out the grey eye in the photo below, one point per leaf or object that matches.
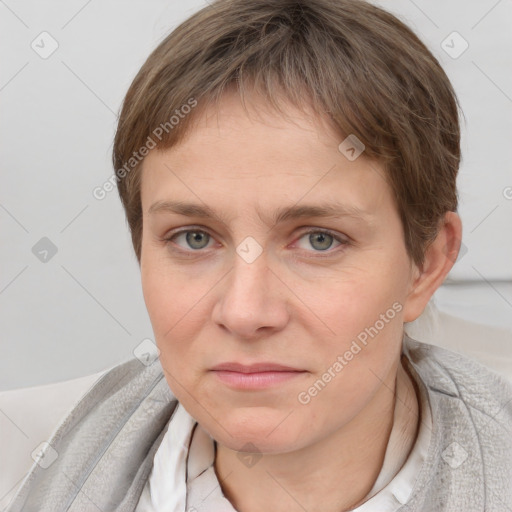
(196, 239)
(321, 241)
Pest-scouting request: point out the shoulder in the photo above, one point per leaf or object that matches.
(471, 405)
(459, 375)
(30, 416)
(488, 344)
(470, 453)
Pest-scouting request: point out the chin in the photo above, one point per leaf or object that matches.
(256, 444)
(268, 433)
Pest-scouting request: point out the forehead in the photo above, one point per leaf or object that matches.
(258, 156)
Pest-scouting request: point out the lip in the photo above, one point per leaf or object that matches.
(255, 376)
(264, 366)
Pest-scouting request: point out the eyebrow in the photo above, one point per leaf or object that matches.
(280, 215)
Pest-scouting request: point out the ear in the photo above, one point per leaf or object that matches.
(440, 257)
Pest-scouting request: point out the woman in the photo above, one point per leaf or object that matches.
(288, 171)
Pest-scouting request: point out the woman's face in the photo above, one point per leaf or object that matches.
(237, 267)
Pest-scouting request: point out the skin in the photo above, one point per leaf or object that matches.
(300, 303)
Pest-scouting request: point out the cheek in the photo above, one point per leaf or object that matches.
(364, 318)
(353, 360)
(177, 315)
(168, 295)
(166, 306)
(350, 304)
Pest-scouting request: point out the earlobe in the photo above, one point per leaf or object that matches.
(440, 256)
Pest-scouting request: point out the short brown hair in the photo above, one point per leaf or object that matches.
(357, 64)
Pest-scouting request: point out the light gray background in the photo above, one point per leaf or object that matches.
(83, 311)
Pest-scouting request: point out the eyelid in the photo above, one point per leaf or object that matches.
(305, 230)
(343, 241)
(179, 231)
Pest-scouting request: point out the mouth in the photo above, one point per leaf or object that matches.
(255, 376)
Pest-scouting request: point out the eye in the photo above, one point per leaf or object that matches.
(195, 239)
(321, 240)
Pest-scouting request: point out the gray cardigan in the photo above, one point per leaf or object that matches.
(105, 446)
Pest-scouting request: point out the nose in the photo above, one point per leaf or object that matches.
(253, 301)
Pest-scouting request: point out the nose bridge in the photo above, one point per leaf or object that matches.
(249, 299)
(248, 281)
(250, 264)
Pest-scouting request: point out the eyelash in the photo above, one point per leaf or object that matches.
(329, 252)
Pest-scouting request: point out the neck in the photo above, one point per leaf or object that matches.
(339, 471)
